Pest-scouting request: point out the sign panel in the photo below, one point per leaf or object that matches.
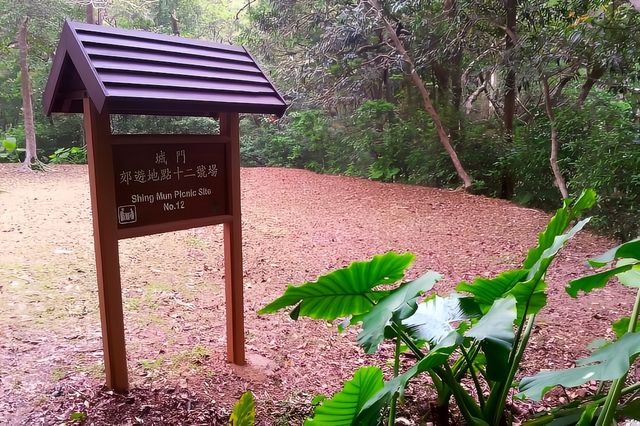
(167, 182)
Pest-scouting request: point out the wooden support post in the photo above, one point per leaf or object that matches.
(97, 129)
(229, 127)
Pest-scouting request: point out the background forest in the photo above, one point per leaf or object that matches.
(530, 101)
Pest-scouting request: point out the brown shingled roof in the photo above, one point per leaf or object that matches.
(137, 72)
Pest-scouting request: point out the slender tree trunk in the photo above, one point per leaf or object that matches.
(174, 23)
(593, 75)
(25, 89)
(510, 79)
(90, 13)
(426, 100)
(553, 159)
(509, 111)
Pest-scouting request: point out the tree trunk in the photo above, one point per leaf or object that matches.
(25, 89)
(510, 79)
(593, 75)
(426, 100)
(174, 23)
(90, 13)
(509, 111)
(553, 159)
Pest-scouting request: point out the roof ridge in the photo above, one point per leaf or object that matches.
(194, 84)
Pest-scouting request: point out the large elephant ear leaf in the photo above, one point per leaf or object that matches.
(627, 269)
(346, 291)
(539, 268)
(495, 333)
(621, 326)
(485, 291)
(591, 282)
(558, 224)
(399, 304)
(343, 408)
(608, 363)
(628, 250)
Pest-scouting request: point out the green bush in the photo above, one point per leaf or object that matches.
(598, 149)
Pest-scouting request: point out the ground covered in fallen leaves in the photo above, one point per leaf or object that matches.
(296, 226)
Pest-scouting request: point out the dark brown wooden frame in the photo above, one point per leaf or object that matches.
(106, 235)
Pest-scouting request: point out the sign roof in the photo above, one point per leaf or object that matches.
(138, 72)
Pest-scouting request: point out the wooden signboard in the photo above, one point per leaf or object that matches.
(164, 182)
(146, 184)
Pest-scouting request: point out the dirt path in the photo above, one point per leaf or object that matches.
(296, 225)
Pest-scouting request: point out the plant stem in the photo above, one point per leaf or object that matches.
(476, 382)
(610, 404)
(513, 369)
(468, 407)
(560, 412)
(396, 371)
(407, 340)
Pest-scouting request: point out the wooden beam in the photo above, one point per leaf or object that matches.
(97, 129)
(229, 127)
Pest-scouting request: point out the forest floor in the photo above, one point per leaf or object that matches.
(296, 226)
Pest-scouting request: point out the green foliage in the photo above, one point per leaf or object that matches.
(346, 291)
(9, 149)
(598, 149)
(483, 345)
(610, 360)
(243, 413)
(152, 124)
(72, 155)
(629, 253)
(399, 305)
(78, 416)
(345, 405)
(608, 363)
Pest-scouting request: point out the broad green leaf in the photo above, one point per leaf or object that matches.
(497, 324)
(630, 278)
(590, 282)
(630, 250)
(433, 319)
(346, 291)
(436, 357)
(345, 405)
(608, 363)
(530, 296)
(485, 291)
(243, 413)
(399, 304)
(558, 224)
(495, 332)
(621, 326)
(9, 144)
(318, 399)
(539, 268)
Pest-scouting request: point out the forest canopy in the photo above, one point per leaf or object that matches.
(531, 101)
